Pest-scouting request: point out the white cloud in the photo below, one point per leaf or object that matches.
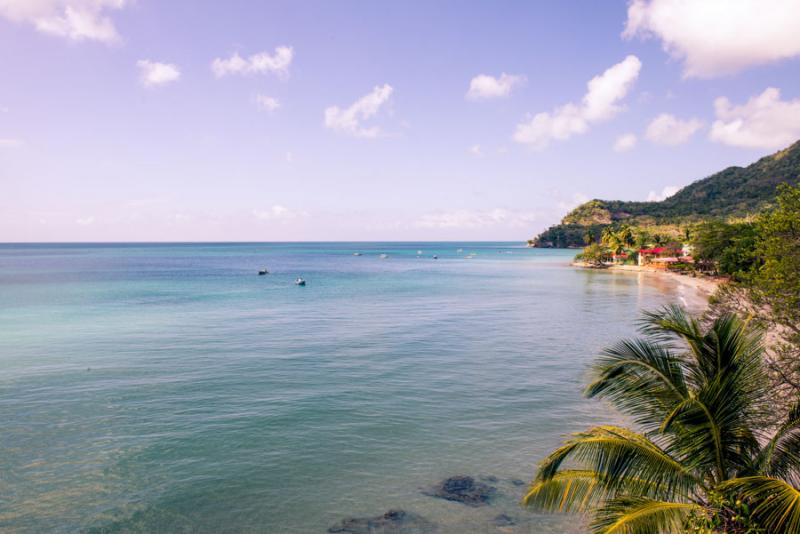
(77, 20)
(475, 150)
(765, 121)
(10, 143)
(484, 87)
(667, 192)
(153, 73)
(85, 221)
(476, 219)
(289, 158)
(348, 120)
(261, 63)
(718, 37)
(600, 103)
(625, 142)
(278, 213)
(667, 129)
(267, 103)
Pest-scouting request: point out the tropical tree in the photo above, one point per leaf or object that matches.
(642, 239)
(611, 239)
(660, 240)
(625, 235)
(593, 254)
(702, 459)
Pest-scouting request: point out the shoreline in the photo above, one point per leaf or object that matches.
(704, 286)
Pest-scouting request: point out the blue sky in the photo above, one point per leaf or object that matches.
(354, 120)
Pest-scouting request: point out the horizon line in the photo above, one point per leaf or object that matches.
(2, 243)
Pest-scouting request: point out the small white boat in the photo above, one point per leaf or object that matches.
(356, 254)
(419, 253)
(300, 282)
(435, 257)
(384, 256)
(460, 250)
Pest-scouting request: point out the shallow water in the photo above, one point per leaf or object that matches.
(168, 388)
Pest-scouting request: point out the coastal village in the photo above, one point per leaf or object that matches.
(625, 246)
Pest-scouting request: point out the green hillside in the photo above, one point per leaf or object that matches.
(733, 192)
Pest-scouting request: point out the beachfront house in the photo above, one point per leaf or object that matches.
(664, 257)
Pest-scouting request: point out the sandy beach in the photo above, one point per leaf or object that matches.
(705, 285)
(701, 287)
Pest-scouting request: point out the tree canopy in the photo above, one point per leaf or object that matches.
(702, 457)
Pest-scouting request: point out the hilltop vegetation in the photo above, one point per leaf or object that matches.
(735, 192)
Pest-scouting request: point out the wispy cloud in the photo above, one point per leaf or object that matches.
(625, 142)
(348, 120)
(154, 73)
(262, 63)
(267, 103)
(600, 103)
(278, 213)
(77, 20)
(477, 219)
(10, 143)
(484, 86)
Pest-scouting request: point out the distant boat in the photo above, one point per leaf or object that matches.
(300, 282)
(262, 272)
(435, 257)
(419, 253)
(356, 254)
(460, 250)
(384, 256)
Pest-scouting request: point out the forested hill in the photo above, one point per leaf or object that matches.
(733, 192)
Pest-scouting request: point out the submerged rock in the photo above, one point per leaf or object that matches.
(518, 482)
(464, 489)
(392, 522)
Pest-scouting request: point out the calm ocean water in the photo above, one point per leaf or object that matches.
(168, 388)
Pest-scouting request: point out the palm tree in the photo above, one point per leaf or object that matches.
(612, 240)
(625, 235)
(642, 239)
(660, 240)
(704, 458)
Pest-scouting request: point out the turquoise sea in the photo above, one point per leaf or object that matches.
(169, 388)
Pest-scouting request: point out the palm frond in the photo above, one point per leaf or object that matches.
(621, 458)
(642, 516)
(568, 491)
(641, 379)
(670, 324)
(712, 426)
(780, 458)
(774, 504)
